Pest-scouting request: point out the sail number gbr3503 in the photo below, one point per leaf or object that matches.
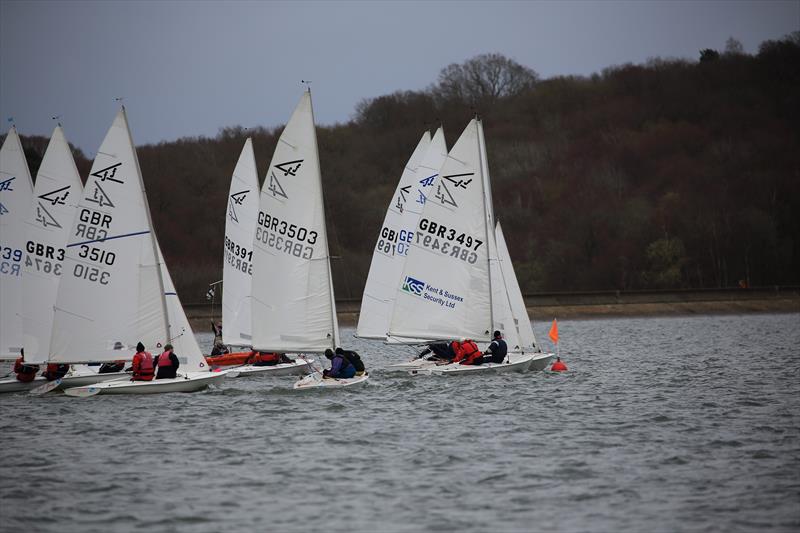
(284, 237)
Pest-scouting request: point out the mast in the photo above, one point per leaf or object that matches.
(489, 213)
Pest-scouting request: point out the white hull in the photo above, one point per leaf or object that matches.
(298, 368)
(81, 380)
(316, 381)
(12, 385)
(541, 361)
(188, 383)
(414, 364)
(519, 363)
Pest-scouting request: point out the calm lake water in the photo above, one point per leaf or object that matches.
(662, 424)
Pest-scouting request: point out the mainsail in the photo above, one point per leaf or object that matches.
(445, 290)
(293, 306)
(55, 203)
(111, 293)
(240, 229)
(392, 246)
(16, 191)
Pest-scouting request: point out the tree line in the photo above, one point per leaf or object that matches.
(669, 174)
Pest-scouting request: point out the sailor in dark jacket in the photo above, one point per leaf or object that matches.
(497, 350)
(167, 364)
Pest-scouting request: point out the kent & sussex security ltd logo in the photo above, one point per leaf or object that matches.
(413, 286)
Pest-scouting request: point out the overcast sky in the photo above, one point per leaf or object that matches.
(189, 68)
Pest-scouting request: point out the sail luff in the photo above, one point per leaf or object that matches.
(16, 193)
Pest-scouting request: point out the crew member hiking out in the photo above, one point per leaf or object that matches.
(55, 371)
(25, 373)
(340, 367)
(467, 353)
(167, 364)
(354, 359)
(142, 365)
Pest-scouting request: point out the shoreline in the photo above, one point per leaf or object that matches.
(541, 309)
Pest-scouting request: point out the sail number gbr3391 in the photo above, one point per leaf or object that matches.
(284, 237)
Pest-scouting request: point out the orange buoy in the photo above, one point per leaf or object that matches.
(558, 366)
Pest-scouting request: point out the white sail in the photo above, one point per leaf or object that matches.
(111, 294)
(389, 253)
(16, 192)
(240, 229)
(521, 326)
(181, 335)
(445, 290)
(292, 297)
(55, 202)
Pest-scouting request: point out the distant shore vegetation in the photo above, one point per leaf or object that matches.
(670, 174)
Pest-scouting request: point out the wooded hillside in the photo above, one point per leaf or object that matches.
(672, 174)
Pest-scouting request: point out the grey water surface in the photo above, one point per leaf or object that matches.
(661, 424)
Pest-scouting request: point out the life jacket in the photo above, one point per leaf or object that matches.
(471, 352)
(25, 373)
(55, 371)
(558, 366)
(343, 369)
(164, 360)
(354, 359)
(143, 369)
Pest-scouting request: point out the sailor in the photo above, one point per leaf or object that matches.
(167, 364)
(217, 329)
(113, 366)
(142, 365)
(340, 367)
(558, 366)
(55, 371)
(262, 359)
(442, 351)
(354, 359)
(219, 348)
(25, 373)
(467, 353)
(496, 351)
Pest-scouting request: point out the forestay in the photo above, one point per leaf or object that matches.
(240, 228)
(293, 308)
(55, 202)
(445, 289)
(111, 295)
(16, 192)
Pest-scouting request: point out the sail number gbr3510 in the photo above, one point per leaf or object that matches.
(285, 237)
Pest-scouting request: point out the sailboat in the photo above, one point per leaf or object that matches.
(16, 193)
(391, 249)
(451, 286)
(112, 289)
(293, 306)
(237, 272)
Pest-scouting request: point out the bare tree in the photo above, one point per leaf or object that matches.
(483, 78)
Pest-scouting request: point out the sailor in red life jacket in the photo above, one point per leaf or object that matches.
(467, 353)
(142, 365)
(25, 373)
(558, 366)
(55, 371)
(167, 364)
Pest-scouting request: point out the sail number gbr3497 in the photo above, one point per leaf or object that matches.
(284, 237)
(439, 238)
